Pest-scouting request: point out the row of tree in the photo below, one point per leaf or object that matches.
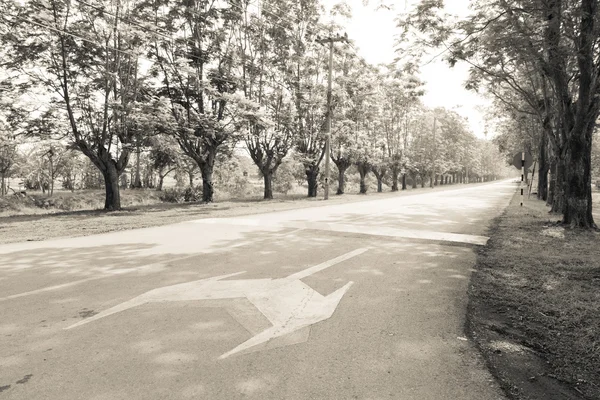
(192, 80)
(539, 60)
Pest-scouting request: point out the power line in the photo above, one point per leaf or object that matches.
(137, 56)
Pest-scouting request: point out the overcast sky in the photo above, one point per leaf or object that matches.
(374, 31)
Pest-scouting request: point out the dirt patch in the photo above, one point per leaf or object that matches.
(85, 313)
(25, 379)
(534, 307)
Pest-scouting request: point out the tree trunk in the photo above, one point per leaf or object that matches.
(191, 176)
(312, 175)
(395, 173)
(578, 180)
(414, 181)
(363, 170)
(3, 187)
(558, 205)
(208, 189)
(552, 184)
(137, 181)
(268, 178)
(543, 168)
(403, 181)
(380, 173)
(112, 201)
(342, 167)
(161, 179)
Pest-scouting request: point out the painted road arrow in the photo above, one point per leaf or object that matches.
(288, 303)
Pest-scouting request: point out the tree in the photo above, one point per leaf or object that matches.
(72, 166)
(268, 122)
(85, 59)
(164, 159)
(306, 77)
(194, 65)
(350, 97)
(9, 157)
(400, 90)
(504, 40)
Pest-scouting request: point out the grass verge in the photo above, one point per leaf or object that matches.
(534, 305)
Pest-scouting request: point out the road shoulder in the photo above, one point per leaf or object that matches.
(534, 307)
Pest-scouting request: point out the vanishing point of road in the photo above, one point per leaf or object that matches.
(362, 300)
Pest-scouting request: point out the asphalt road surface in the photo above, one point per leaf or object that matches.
(356, 301)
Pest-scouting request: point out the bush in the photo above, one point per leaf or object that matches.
(192, 194)
(283, 180)
(177, 195)
(228, 177)
(172, 196)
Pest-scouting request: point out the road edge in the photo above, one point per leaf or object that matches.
(521, 375)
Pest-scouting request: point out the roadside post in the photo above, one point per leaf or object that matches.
(523, 161)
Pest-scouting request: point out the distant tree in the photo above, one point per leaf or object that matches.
(9, 158)
(283, 180)
(547, 46)
(164, 157)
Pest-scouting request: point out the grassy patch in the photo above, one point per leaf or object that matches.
(535, 305)
(63, 200)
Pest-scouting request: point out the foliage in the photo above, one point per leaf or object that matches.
(284, 179)
(538, 60)
(229, 176)
(179, 195)
(73, 53)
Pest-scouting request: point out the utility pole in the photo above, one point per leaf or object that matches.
(331, 40)
(433, 177)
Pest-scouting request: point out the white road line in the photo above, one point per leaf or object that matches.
(325, 265)
(358, 229)
(49, 288)
(394, 232)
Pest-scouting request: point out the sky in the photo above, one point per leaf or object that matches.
(373, 32)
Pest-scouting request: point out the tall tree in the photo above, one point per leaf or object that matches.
(86, 61)
(400, 89)
(262, 41)
(194, 64)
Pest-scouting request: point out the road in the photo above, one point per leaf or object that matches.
(354, 301)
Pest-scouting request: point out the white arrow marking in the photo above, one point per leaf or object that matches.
(288, 303)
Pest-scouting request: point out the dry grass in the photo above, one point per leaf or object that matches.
(538, 285)
(63, 200)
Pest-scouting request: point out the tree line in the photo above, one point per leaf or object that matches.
(179, 85)
(539, 60)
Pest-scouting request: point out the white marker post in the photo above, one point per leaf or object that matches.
(522, 174)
